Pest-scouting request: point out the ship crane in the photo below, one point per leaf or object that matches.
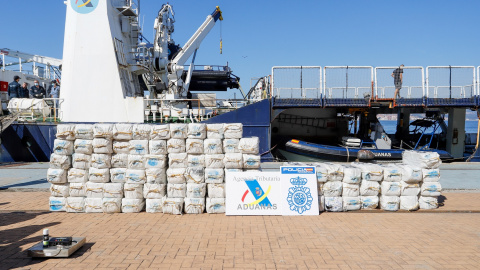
(171, 71)
(49, 62)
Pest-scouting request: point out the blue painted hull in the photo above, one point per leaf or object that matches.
(337, 153)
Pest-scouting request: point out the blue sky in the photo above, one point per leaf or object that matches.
(260, 34)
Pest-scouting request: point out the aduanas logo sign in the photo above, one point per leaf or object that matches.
(261, 197)
(84, 6)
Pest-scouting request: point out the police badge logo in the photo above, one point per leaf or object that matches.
(299, 197)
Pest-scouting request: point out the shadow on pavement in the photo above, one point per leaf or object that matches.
(29, 183)
(441, 200)
(13, 242)
(3, 203)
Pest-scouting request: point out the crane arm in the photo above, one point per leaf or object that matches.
(31, 57)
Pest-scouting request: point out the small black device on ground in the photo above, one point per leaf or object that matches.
(64, 241)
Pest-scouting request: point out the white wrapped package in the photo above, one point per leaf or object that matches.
(153, 205)
(233, 161)
(194, 205)
(335, 171)
(176, 190)
(100, 161)
(212, 146)
(351, 203)
(93, 205)
(132, 205)
(214, 161)
(59, 190)
(123, 132)
(121, 147)
(215, 131)
(134, 176)
(409, 203)
(77, 175)
(156, 175)
(196, 190)
(136, 162)
(216, 190)
(138, 147)
(63, 147)
(431, 189)
(77, 190)
(133, 191)
(195, 175)
(60, 161)
(154, 191)
(333, 204)
(81, 161)
(249, 145)
(113, 190)
(66, 132)
(231, 146)
(157, 147)
(82, 146)
(99, 175)
(102, 146)
(160, 132)
(332, 189)
(194, 146)
(369, 188)
(196, 161)
(214, 176)
(411, 174)
(83, 131)
(178, 131)
(321, 203)
(57, 176)
(75, 205)
(351, 190)
(112, 205)
(155, 161)
(173, 206)
(119, 161)
(57, 204)
(389, 203)
(370, 172)
(322, 172)
(176, 175)
(320, 188)
(352, 175)
(178, 160)
(197, 131)
(141, 131)
(431, 175)
(233, 131)
(94, 190)
(428, 202)
(250, 161)
(369, 202)
(422, 159)
(409, 189)
(393, 173)
(390, 188)
(117, 175)
(215, 205)
(176, 146)
(103, 131)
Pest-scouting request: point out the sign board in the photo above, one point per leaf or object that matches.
(253, 193)
(299, 191)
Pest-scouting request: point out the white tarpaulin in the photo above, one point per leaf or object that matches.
(60, 161)
(231, 146)
(215, 131)
(136, 162)
(160, 132)
(94, 190)
(62, 147)
(133, 191)
(99, 175)
(215, 205)
(117, 175)
(176, 175)
(83, 146)
(135, 176)
(233, 130)
(113, 190)
(351, 203)
(119, 160)
(332, 189)
(77, 175)
(214, 161)
(57, 176)
(369, 202)
(66, 132)
(409, 203)
(123, 132)
(103, 131)
(197, 131)
(213, 176)
(172, 206)
(156, 175)
(157, 147)
(100, 161)
(121, 147)
(77, 190)
(369, 188)
(176, 146)
(93, 205)
(75, 205)
(422, 159)
(194, 205)
(141, 131)
(196, 190)
(154, 205)
(132, 205)
(57, 204)
(389, 203)
(194, 146)
(249, 145)
(196, 161)
(216, 190)
(333, 204)
(178, 131)
(428, 202)
(60, 190)
(84, 131)
(431, 189)
(111, 205)
(138, 147)
(154, 191)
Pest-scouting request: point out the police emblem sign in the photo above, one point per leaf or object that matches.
(253, 193)
(299, 191)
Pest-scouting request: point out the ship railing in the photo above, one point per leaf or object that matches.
(164, 110)
(346, 82)
(413, 81)
(451, 82)
(297, 82)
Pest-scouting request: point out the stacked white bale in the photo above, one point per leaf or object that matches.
(372, 176)
(60, 165)
(423, 165)
(391, 187)
(352, 177)
(333, 187)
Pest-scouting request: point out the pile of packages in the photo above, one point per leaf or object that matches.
(170, 168)
(410, 185)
